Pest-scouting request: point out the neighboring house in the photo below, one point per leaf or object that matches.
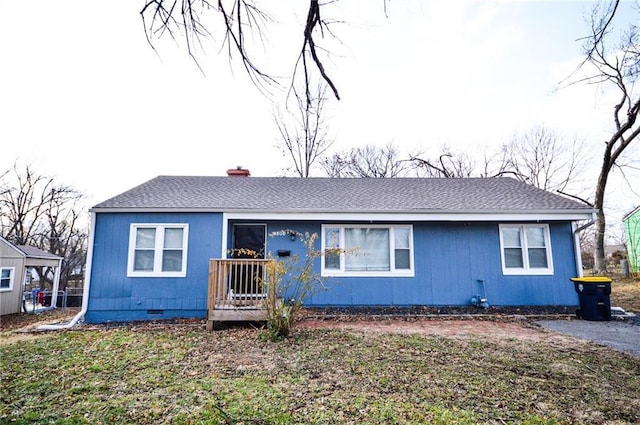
(631, 223)
(16, 262)
(405, 242)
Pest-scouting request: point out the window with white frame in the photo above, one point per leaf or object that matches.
(158, 250)
(6, 278)
(367, 250)
(526, 249)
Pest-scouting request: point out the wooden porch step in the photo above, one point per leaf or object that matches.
(235, 314)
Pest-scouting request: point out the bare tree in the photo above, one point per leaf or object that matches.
(539, 157)
(335, 165)
(586, 239)
(447, 164)
(368, 161)
(303, 131)
(242, 23)
(494, 164)
(37, 211)
(615, 66)
(23, 204)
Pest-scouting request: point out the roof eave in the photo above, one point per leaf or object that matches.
(14, 247)
(631, 213)
(43, 257)
(424, 215)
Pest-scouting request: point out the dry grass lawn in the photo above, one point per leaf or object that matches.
(625, 293)
(413, 372)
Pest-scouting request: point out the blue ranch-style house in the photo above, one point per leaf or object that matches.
(165, 249)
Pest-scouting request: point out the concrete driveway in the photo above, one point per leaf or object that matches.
(622, 334)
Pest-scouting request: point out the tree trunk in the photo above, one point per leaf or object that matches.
(599, 257)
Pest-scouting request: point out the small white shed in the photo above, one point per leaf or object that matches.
(15, 262)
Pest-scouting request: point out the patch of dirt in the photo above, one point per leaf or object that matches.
(453, 328)
(17, 337)
(22, 320)
(455, 322)
(496, 323)
(439, 311)
(22, 326)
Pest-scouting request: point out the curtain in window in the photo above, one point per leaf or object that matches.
(331, 245)
(367, 249)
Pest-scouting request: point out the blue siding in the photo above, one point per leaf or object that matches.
(545, 290)
(451, 259)
(453, 262)
(115, 297)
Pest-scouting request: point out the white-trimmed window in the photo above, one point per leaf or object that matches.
(158, 250)
(526, 249)
(367, 250)
(6, 278)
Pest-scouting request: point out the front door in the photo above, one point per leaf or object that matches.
(248, 240)
(246, 280)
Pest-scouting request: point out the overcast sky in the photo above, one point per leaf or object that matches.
(84, 98)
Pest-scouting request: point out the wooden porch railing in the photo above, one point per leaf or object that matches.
(238, 289)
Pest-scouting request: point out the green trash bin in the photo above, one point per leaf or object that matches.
(594, 296)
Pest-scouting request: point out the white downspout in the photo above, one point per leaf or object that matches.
(576, 243)
(87, 283)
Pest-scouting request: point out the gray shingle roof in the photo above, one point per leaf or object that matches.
(32, 251)
(287, 194)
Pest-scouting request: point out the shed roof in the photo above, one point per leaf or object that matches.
(340, 195)
(631, 213)
(31, 255)
(33, 252)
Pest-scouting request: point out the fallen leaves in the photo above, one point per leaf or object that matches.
(182, 374)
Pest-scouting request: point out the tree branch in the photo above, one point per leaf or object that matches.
(575, 197)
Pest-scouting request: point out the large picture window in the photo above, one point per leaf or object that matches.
(525, 249)
(158, 250)
(367, 250)
(6, 278)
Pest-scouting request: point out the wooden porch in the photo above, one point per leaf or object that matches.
(238, 290)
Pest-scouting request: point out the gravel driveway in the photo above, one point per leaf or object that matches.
(620, 334)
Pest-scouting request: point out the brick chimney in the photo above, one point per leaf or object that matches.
(238, 172)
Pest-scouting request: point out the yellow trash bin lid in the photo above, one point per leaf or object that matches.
(591, 279)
